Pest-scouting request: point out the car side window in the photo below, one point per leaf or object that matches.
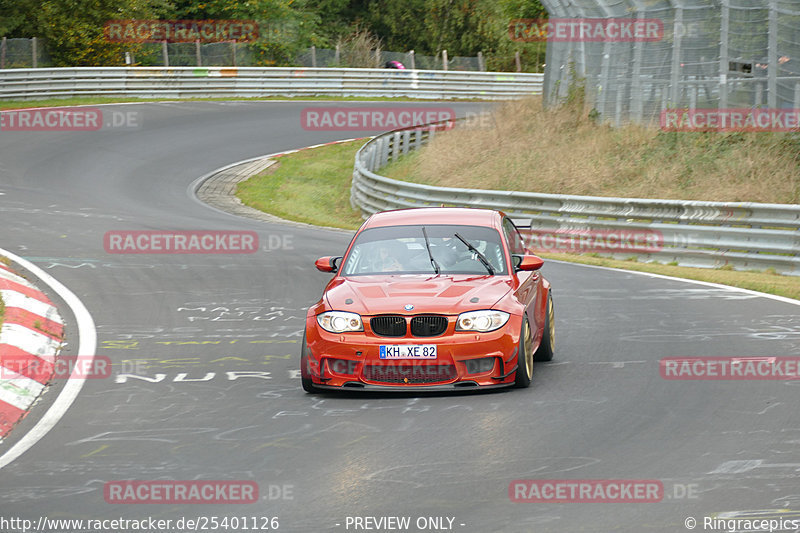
(515, 242)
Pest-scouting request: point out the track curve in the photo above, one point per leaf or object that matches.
(231, 324)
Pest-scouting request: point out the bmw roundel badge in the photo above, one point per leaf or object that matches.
(408, 307)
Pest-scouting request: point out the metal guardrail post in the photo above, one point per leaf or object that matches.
(772, 56)
(395, 146)
(675, 71)
(373, 157)
(725, 22)
(637, 98)
(384, 157)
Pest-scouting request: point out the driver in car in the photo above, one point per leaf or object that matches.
(388, 257)
(447, 252)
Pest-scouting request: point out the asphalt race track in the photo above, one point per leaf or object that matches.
(212, 342)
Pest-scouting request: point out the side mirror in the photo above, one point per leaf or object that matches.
(527, 262)
(327, 264)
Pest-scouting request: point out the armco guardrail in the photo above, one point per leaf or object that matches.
(200, 82)
(703, 234)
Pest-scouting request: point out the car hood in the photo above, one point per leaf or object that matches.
(374, 295)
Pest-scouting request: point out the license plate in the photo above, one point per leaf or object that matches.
(408, 351)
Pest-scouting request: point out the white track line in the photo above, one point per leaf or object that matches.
(685, 280)
(86, 348)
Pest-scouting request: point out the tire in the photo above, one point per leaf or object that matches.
(305, 377)
(545, 351)
(524, 356)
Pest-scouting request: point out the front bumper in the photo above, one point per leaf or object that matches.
(351, 360)
(461, 386)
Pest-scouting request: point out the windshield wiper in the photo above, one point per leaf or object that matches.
(428, 247)
(477, 253)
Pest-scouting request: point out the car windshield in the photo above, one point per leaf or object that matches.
(403, 250)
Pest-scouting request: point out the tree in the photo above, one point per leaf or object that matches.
(17, 17)
(73, 29)
(462, 27)
(285, 27)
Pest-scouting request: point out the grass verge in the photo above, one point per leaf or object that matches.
(313, 186)
(95, 100)
(523, 147)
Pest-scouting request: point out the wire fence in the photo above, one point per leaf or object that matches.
(322, 57)
(32, 53)
(23, 53)
(718, 54)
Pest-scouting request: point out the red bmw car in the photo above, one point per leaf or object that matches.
(432, 298)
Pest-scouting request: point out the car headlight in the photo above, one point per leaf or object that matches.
(340, 321)
(482, 321)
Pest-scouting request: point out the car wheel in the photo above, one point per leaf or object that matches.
(545, 351)
(305, 376)
(524, 356)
